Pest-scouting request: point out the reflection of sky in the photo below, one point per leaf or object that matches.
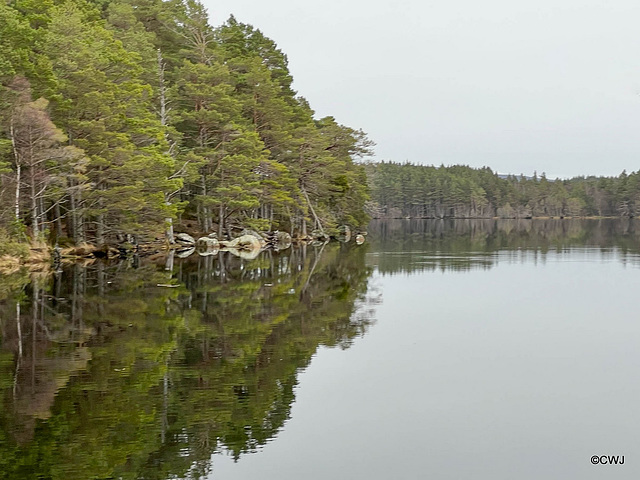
(521, 371)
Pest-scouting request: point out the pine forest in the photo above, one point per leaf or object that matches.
(122, 119)
(128, 120)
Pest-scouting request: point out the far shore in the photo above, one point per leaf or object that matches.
(567, 217)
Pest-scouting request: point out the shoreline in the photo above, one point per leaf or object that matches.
(566, 217)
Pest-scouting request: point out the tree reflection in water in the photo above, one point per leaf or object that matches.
(422, 245)
(104, 374)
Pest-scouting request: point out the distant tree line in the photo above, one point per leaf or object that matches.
(122, 116)
(419, 191)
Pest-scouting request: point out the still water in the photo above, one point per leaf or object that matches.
(447, 350)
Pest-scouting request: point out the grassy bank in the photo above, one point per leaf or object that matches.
(14, 254)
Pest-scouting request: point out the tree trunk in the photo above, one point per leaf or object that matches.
(77, 219)
(17, 200)
(206, 216)
(18, 171)
(72, 221)
(313, 212)
(168, 265)
(42, 216)
(169, 221)
(100, 228)
(220, 221)
(34, 204)
(58, 221)
(271, 218)
(164, 121)
(163, 90)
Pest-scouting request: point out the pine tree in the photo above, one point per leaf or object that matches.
(106, 110)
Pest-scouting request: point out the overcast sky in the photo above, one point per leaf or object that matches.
(546, 85)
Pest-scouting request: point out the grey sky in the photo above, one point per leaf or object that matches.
(551, 86)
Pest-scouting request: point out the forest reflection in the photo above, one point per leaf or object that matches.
(143, 370)
(405, 246)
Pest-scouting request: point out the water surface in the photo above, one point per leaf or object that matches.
(466, 349)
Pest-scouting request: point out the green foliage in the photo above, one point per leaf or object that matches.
(407, 190)
(167, 114)
(16, 37)
(12, 247)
